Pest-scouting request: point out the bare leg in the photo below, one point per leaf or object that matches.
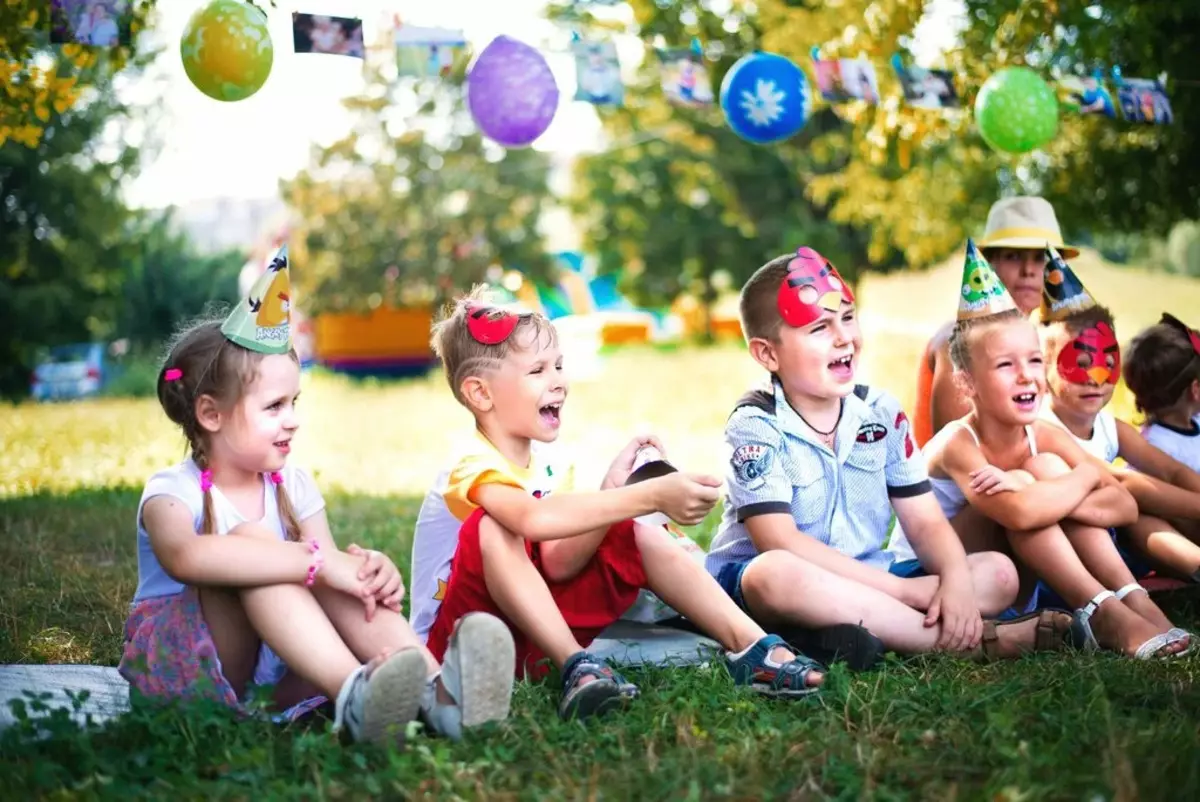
(388, 630)
(1098, 552)
(995, 580)
(521, 592)
(993, 577)
(232, 634)
(684, 584)
(1165, 544)
(780, 587)
(1053, 557)
(293, 624)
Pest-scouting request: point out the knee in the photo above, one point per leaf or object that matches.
(996, 581)
(1023, 478)
(772, 578)
(1046, 466)
(493, 537)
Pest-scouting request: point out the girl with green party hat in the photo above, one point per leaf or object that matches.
(1008, 481)
(240, 582)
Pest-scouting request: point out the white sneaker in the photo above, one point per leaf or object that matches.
(376, 708)
(477, 672)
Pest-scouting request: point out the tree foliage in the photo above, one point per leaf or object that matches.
(879, 186)
(677, 196)
(40, 80)
(413, 202)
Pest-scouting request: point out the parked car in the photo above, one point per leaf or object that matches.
(69, 371)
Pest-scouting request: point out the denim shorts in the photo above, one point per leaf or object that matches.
(907, 569)
(730, 580)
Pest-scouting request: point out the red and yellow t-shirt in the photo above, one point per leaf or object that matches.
(451, 501)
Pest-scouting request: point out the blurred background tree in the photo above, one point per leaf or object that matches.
(414, 202)
(679, 196)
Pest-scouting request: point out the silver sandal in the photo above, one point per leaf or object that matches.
(1175, 634)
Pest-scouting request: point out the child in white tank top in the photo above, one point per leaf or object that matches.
(1050, 501)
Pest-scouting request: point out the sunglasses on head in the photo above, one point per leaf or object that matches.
(492, 325)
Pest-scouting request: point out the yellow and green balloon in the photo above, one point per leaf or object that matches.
(1016, 110)
(227, 50)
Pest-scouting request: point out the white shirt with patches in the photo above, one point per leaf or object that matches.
(843, 498)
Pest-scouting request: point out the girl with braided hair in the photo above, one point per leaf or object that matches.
(240, 582)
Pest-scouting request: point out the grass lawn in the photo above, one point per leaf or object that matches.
(1042, 728)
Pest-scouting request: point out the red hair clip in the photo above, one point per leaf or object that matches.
(492, 325)
(1171, 320)
(811, 287)
(173, 375)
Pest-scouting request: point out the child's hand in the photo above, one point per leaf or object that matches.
(954, 605)
(686, 498)
(341, 573)
(382, 577)
(622, 466)
(990, 480)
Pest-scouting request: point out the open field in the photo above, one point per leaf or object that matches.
(934, 728)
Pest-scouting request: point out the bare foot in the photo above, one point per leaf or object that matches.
(1119, 628)
(781, 655)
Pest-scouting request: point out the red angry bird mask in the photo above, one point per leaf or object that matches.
(1093, 356)
(492, 325)
(811, 288)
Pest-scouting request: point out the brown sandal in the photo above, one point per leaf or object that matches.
(1053, 628)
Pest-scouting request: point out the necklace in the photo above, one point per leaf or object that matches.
(828, 438)
(829, 433)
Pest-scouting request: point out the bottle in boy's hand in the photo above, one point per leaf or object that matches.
(686, 498)
(648, 463)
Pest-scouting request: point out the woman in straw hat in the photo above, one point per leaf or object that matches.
(1014, 244)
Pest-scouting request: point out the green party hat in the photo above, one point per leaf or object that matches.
(1062, 291)
(263, 321)
(983, 293)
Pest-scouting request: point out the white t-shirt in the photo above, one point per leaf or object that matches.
(1183, 446)
(1103, 444)
(183, 482)
(448, 503)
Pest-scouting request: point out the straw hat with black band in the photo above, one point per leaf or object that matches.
(1024, 222)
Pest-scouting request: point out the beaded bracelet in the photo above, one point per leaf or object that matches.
(315, 566)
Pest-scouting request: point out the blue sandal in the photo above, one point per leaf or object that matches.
(607, 690)
(755, 668)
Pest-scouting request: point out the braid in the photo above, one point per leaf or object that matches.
(209, 518)
(287, 513)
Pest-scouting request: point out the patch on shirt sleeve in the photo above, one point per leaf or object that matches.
(909, 445)
(751, 462)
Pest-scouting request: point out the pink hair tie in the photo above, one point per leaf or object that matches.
(276, 477)
(173, 375)
(205, 481)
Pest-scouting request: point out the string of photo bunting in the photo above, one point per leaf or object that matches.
(228, 54)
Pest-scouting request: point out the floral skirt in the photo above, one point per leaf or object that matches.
(169, 655)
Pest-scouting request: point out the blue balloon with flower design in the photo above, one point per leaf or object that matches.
(764, 97)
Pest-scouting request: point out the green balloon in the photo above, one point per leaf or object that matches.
(1016, 110)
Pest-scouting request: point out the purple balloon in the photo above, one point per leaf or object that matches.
(511, 93)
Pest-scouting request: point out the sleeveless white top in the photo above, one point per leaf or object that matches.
(947, 492)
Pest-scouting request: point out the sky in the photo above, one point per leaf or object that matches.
(241, 150)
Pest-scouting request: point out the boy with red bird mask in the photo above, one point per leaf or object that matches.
(817, 466)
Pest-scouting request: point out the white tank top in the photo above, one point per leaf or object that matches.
(947, 492)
